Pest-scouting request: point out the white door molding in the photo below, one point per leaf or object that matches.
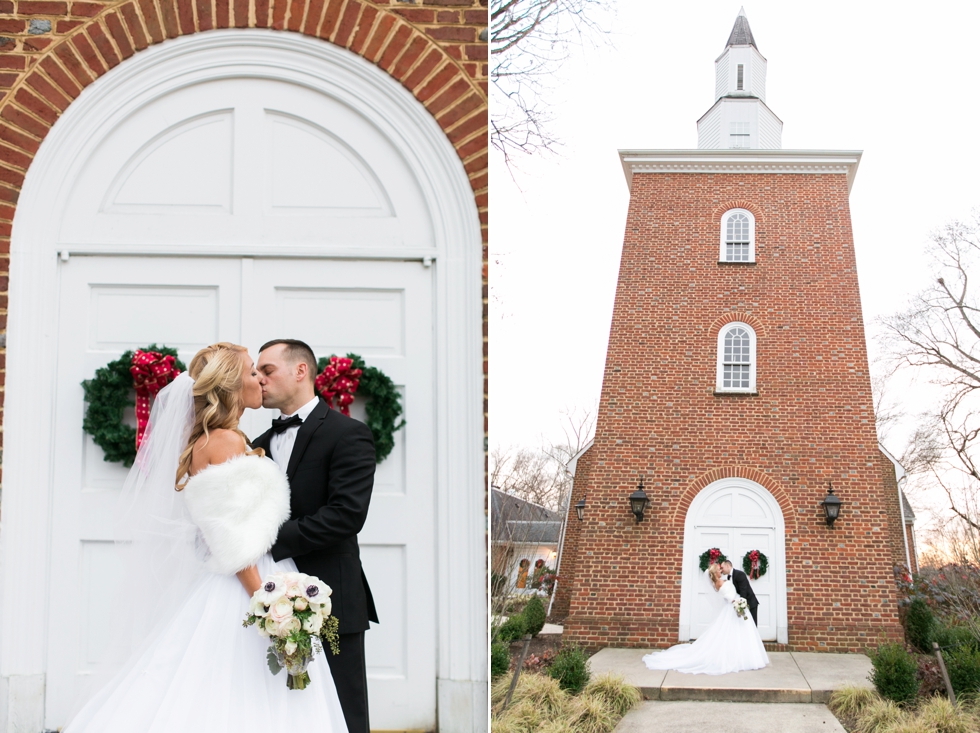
(455, 248)
(690, 577)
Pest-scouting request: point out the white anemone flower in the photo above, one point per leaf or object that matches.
(272, 589)
(316, 591)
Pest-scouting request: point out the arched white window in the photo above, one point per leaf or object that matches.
(736, 358)
(737, 236)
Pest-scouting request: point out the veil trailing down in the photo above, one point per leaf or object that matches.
(176, 654)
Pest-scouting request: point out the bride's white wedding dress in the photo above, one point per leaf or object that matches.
(729, 644)
(176, 651)
(204, 672)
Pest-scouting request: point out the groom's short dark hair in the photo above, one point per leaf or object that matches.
(296, 351)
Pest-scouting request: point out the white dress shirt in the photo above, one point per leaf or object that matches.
(282, 443)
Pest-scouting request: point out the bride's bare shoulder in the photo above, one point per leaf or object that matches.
(216, 447)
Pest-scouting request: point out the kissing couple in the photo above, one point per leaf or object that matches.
(731, 643)
(207, 515)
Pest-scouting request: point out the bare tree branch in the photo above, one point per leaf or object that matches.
(529, 40)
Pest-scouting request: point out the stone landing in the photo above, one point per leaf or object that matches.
(791, 677)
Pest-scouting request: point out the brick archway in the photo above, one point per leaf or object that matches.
(58, 48)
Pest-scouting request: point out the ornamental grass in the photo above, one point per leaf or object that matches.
(539, 705)
(880, 716)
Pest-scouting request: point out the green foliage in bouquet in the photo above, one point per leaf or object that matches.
(894, 673)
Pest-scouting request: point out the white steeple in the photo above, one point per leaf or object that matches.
(739, 117)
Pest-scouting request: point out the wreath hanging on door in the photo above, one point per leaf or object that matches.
(755, 564)
(714, 556)
(137, 376)
(129, 381)
(340, 378)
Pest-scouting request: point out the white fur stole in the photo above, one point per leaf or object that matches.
(239, 506)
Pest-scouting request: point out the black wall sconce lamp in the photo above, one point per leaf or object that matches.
(831, 506)
(639, 501)
(580, 509)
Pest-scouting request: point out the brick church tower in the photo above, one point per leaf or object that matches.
(736, 392)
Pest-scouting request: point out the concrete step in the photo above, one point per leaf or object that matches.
(791, 677)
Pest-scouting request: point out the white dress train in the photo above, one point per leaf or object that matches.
(729, 644)
(204, 672)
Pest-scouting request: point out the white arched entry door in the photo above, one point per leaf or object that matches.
(736, 516)
(244, 186)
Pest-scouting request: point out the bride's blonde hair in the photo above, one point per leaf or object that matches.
(714, 572)
(218, 372)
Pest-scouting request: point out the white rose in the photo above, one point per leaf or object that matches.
(271, 626)
(282, 609)
(326, 607)
(289, 626)
(300, 604)
(294, 584)
(290, 648)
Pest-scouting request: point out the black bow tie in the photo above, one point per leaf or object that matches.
(728, 577)
(280, 423)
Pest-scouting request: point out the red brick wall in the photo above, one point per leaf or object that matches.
(811, 422)
(570, 547)
(51, 49)
(896, 529)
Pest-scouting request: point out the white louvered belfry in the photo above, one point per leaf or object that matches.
(739, 118)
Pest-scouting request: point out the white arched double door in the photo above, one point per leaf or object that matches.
(736, 516)
(246, 195)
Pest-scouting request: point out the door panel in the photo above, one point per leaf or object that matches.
(339, 307)
(107, 306)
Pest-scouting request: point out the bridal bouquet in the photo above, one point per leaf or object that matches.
(293, 610)
(741, 607)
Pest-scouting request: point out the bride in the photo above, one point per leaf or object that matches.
(730, 644)
(175, 643)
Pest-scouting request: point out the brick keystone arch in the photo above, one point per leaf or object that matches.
(752, 474)
(51, 70)
(740, 317)
(720, 210)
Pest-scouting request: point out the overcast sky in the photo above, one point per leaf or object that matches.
(895, 80)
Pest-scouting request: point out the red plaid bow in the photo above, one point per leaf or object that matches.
(151, 372)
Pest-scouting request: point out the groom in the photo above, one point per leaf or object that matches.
(741, 582)
(329, 460)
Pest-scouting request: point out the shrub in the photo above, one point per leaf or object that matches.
(939, 714)
(894, 673)
(512, 629)
(920, 625)
(963, 665)
(499, 659)
(850, 701)
(619, 696)
(952, 636)
(593, 715)
(534, 616)
(880, 716)
(570, 668)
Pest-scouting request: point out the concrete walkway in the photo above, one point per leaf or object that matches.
(791, 677)
(728, 717)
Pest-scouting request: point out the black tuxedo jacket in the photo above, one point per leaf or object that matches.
(741, 582)
(331, 476)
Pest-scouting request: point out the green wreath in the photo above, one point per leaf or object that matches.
(747, 564)
(705, 559)
(382, 404)
(108, 394)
